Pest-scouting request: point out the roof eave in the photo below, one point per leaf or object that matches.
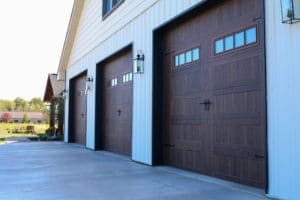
(70, 37)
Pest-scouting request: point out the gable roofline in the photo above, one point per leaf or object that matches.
(70, 37)
(54, 88)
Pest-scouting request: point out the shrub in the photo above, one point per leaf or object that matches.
(43, 137)
(26, 119)
(6, 117)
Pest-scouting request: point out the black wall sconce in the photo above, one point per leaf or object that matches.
(290, 11)
(138, 63)
(89, 83)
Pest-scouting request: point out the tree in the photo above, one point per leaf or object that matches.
(60, 114)
(20, 104)
(10, 106)
(6, 117)
(26, 119)
(7, 106)
(52, 113)
(36, 104)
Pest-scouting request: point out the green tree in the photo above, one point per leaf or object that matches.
(20, 104)
(10, 106)
(60, 114)
(26, 119)
(36, 104)
(7, 105)
(52, 113)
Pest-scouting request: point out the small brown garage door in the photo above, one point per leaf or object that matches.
(215, 104)
(117, 103)
(78, 110)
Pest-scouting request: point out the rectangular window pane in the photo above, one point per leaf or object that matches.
(219, 46)
(239, 39)
(196, 54)
(286, 7)
(182, 59)
(251, 35)
(176, 61)
(115, 2)
(108, 6)
(130, 76)
(124, 79)
(228, 43)
(188, 56)
(127, 77)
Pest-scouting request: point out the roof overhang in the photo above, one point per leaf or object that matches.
(70, 37)
(54, 88)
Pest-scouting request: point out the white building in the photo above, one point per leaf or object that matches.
(217, 93)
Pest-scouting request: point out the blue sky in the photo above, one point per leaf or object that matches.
(32, 34)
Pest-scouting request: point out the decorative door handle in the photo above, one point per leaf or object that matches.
(258, 156)
(119, 112)
(169, 145)
(206, 103)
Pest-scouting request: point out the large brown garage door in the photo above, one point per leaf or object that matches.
(117, 103)
(78, 110)
(214, 93)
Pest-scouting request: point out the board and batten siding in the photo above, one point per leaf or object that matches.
(96, 39)
(283, 86)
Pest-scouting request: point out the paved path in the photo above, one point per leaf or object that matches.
(58, 171)
(16, 139)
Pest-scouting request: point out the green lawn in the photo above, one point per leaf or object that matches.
(9, 127)
(6, 130)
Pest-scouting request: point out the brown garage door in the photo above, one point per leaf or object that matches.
(117, 103)
(215, 99)
(78, 110)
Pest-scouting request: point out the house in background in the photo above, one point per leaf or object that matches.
(34, 117)
(203, 85)
(54, 95)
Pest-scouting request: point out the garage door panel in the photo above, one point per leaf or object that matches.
(237, 102)
(214, 113)
(117, 103)
(240, 73)
(78, 134)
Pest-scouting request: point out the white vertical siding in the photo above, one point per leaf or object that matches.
(132, 23)
(283, 86)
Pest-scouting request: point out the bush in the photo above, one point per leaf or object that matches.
(26, 119)
(6, 117)
(43, 137)
(18, 129)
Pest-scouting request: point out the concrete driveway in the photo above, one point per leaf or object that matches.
(55, 170)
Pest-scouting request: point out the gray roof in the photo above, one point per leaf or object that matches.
(58, 86)
(20, 115)
(54, 87)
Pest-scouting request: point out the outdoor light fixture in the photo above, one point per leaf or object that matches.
(65, 94)
(138, 63)
(89, 83)
(290, 11)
